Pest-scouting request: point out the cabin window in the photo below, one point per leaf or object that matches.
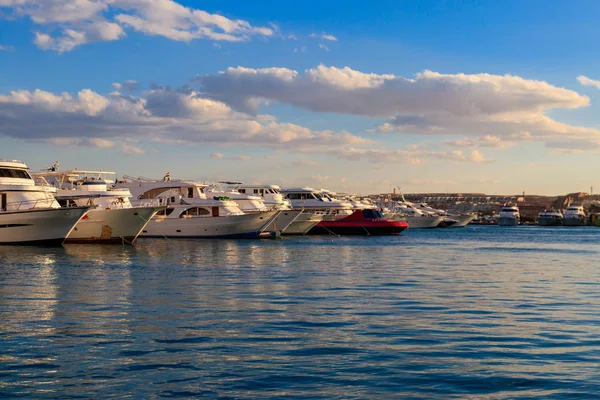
(14, 173)
(203, 211)
(3, 201)
(215, 211)
(255, 191)
(262, 192)
(242, 190)
(190, 193)
(372, 214)
(166, 212)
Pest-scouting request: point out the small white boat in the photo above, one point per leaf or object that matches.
(29, 214)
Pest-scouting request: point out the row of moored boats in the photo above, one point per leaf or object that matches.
(574, 215)
(77, 206)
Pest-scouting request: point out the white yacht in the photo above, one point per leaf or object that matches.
(300, 222)
(29, 214)
(509, 215)
(451, 220)
(406, 211)
(550, 218)
(574, 216)
(319, 202)
(112, 218)
(190, 213)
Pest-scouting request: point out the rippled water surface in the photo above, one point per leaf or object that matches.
(479, 312)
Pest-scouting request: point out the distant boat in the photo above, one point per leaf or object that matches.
(574, 216)
(509, 215)
(550, 218)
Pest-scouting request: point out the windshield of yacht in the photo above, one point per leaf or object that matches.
(319, 196)
(14, 173)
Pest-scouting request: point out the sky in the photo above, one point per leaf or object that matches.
(353, 96)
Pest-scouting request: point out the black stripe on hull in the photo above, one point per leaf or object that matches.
(112, 240)
(14, 225)
(41, 243)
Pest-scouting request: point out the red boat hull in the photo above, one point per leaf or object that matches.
(360, 223)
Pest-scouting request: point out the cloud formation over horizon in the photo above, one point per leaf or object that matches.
(507, 107)
(177, 116)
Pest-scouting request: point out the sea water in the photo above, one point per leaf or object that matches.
(478, 312)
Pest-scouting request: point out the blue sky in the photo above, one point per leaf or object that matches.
(497, 97)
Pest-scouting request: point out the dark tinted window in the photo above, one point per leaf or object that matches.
(14, 173)
(372, 214)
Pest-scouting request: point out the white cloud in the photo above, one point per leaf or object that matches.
(216, 155)
(489, 141)
(179, 117)
(324, 36)
(506, 107)
(408, 156)
(130, 149)
(306, 162)
(87, 21)
(323, 47)
(585, 81)
(6, 48)
(127, 86)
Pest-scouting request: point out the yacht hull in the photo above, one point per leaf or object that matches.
(422, 222)
(576, 221)
(45, 227)
(505, 221)
(549, 222)
(358, 225)
(462, 220)
(284, 220)
(113, 226)
(303, 224)
(234, 226)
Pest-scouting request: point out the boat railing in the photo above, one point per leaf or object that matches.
(22, 205)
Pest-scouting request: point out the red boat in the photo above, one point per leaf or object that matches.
(361, 222)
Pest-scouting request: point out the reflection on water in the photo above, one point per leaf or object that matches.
(470, 313)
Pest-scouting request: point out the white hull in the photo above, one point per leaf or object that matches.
(39, 226)
(573, 221)
(304, 223)
(121, 225)
(247, 226)
(420, 222)
(462, 220)
(508, 221)
(283, 220)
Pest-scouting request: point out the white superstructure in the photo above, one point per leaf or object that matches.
(574, 216)
(112, 218)
(318, 201)
(191, 213)
(509, 215)
(29, 214)
(292, 221)
(550, 218)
